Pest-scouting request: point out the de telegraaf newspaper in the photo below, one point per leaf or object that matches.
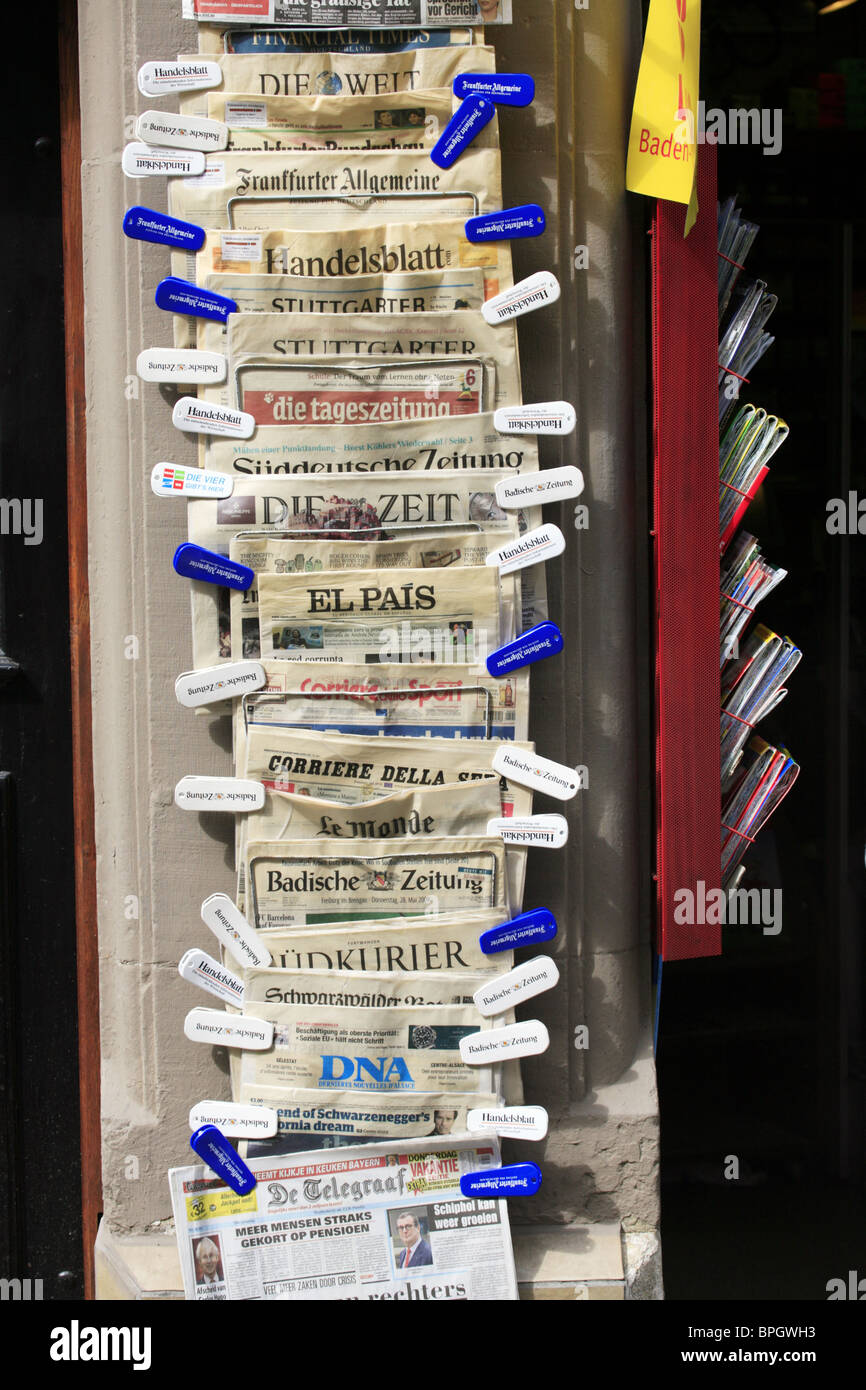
(377, 1222)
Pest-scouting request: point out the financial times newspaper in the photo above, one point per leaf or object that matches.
(380, 507)
(213, 39)
(443, 700)
(273, 72)
(275, 556)
(455, 444)
(336, 189)
(374, 1223)
(406, 615)
(396, 1049)
(289, 886)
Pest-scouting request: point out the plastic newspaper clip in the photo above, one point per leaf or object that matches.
(229, 1030)
(470, 118)
(201, 417)
(503, 88)
(219, 794)
(140, 161)
(156, 79)
(198, 968)
(545, 417)
(499, 1044)
(523, 982)
(170, 480)
(542, 832)
(233, 931)
(517, 1180)
(178, 296)
(511, 224)
(164, 128)
(214, 683)
(238, 1121)
(194, 562)
(523, 298)
(215, 1150)
(145, 224)
(531, 548)
(543, 640)
(529, 929)
(509, 1121)
(181, 365)
(541, 774)
(537, 489)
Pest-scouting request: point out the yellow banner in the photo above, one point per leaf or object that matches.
(662, 145)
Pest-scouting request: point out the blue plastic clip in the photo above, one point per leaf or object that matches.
(529, 929)
(470, 117)
(183, 297)
(517, 1180)
(545, 639)
(194, 562)
(215, 1150)
(144, 224)
(504, 88)
(507, 225)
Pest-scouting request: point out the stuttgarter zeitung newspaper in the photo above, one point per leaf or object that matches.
(275, 555)
(376, 1222)
(272, 72)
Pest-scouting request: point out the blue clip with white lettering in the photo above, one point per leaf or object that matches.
(471, 116)
(529, 929)
(505, 88)
(194, 562)
(545, 639)
(508, 225)
(215, 1150)
(517, 1180)
(144, 224)
(183, 297)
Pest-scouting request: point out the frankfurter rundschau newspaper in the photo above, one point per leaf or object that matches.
(374, 1223)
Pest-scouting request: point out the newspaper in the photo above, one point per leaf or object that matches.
(381, 507)
(393, 1049)
(311, 1119)
(445, 700)
(384, 14)
(349, 989)
(349, 391)
(343, 257)
(271, 72)
(394, 120)
(446, 943)
(213, 39)
(338, 1225)
(427, 813)
(289, 886)
(415, 446)
(274, 555)
(280, 341)
(334, 189)
(404, 616)
(416, 292)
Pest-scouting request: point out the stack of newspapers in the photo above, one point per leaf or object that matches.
(363, 499)
(755, 666)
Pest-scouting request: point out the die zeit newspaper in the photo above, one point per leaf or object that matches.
(394, 120)
(446, 700)
(375, 1222)
(276, 556)
(380, 507)
(337, 189)
(274, 73)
